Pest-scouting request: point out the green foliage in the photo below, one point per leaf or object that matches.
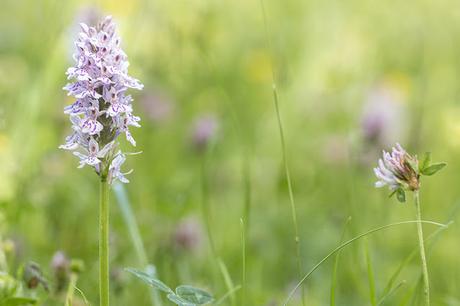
(184, 295)
(330, 58)
(155, 283)
(428, 168)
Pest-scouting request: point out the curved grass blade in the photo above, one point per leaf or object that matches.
(349, 242)
(408, 259)
(85, 300)
(390, 293)
(226, 295)
(227, 279)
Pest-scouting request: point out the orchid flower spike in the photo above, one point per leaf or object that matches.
(401, 171)
(102, 110)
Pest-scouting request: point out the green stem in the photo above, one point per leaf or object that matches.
(71, 289)
(243, 281)
(205, 205)
(104, 243)
(283, 149)
(426, 281)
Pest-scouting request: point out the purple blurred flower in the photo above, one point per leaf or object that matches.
(204, 130)
(158, 107)
(188, 234)
(60, 266)
(398, 170)
(383, 115)
(102, 110)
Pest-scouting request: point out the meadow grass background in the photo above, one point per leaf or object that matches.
(336, 63)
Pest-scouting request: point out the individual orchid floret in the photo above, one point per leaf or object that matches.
(401, 171)
(102, 109)
(114, 169)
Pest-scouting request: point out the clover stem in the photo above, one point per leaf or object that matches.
(104, 242)
(426, 282)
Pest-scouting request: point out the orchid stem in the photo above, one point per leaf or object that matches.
(104, 243)
(426, 282)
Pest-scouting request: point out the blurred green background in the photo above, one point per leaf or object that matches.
(353, 78)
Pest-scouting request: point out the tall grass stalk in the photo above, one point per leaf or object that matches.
(370, 274)
(206, 211)
(426, 281)
(104, 242)
(283, 147)
(133, 228)
(243, 276)
(391, 292)
(343, 245)
(205, 204)
(336, 264)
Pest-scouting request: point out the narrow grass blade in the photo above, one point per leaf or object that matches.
(205, 205)
(370, 274)
(408, 259)
(283, 146)
(336, 264)
(85, 300)
(349, 242)
(133, 229)
(226, 295)
(390, 293)
(227, 279)
(243, 281)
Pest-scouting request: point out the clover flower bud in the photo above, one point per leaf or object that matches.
(60, 265)
(33, 276)
(398, 170)
(102, 110)
(402, 171)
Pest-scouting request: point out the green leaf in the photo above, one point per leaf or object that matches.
(178, 300)
(194, 295)
(401, 195)
(426, 162)
(155, 283)
(18, 301)
(433, 168)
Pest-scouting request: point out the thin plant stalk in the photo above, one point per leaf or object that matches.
(207, 220)
(283, 150)
(205, 205)
(370, 274)
(104, 243)
(336, 264)
(426, 281)
(243, 277)
(346, 243)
